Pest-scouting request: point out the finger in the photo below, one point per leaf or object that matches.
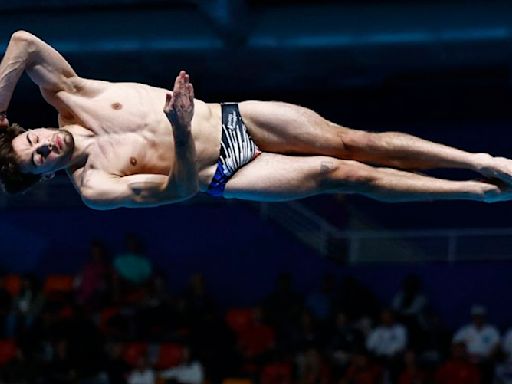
(190, 90)
(179, 84)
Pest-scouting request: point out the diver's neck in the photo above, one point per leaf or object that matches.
(83, 139)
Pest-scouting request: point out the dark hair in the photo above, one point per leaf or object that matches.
(13, 180)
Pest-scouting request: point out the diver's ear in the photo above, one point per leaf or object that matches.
(4, 122)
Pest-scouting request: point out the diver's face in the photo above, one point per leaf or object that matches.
(43, 150)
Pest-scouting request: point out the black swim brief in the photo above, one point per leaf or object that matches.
(236, 149)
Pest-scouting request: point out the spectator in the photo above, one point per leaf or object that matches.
(387, 341)
(117, 368)
(132, 272)
(357, 301)
(282, 308)
(197, 301)
(156, 317)
(320, 303)
(27, 306)
(504, 369)
(482, 340)
(143, 373)
(458, 369)
(412, 373)
(61, 369)
(409, 304)
(5, 306)
(435, 340)
(507, 345)
(345, 339)
(389, 338)
(257, 340)
(93, 281)
(312, 367)
(132, 265)
(362, 370)
(308, 332)
(190, 371)
(215, 344)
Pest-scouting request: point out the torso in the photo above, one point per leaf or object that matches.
(131, 133)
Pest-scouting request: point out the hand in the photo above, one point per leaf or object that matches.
(4, 122)
(179, 107)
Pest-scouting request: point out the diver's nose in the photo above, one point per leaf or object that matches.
(44, 149)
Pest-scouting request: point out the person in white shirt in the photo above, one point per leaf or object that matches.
(503, 371)
(188, 372)
(143, 374)
(389, 338)
(506, 344)
(482, 339)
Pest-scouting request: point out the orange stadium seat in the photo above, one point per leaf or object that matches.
(12, 284)
(236, 380)
(58, 284)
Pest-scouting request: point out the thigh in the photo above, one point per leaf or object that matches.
(274, 177)
(291, 129)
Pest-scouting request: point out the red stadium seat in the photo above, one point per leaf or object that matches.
(236, 380)
(105, 316)
(276, 373)
(12, 284)
(169, 355)
(132, 352)
(240, 319)
(256, 340)
(8, 350)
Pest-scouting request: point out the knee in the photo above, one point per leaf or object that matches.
(353, 140)
(346, 176)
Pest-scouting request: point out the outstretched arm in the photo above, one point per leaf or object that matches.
(103, 191)
(45, 66)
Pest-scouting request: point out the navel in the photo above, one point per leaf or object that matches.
(133, 161)
(117, 106)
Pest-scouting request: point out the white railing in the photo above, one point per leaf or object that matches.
(356, 246)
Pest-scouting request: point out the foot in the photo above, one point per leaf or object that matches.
(179, 106)
(499, 168)
(497, 191)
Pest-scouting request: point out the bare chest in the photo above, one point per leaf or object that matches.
(132, 135)
(132, 153)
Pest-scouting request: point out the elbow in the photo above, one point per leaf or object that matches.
(182, 193)
(22, 36)
(24, 41)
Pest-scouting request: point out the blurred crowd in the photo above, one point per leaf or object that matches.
(116, 321)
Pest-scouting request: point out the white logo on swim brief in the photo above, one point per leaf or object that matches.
(232, 121)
